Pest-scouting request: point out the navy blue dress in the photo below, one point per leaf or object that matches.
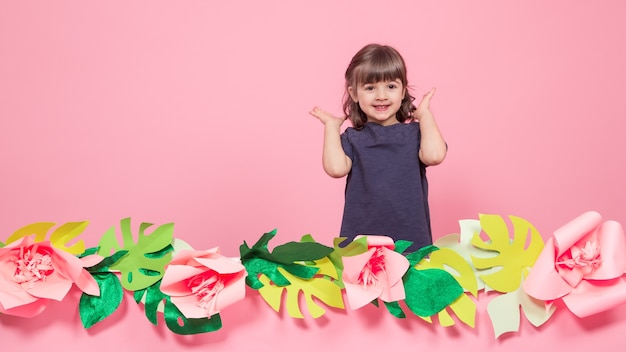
(386, 189)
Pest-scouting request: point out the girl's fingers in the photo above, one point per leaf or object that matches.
(426, 98)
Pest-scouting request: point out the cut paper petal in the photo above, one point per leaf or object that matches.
(376, 273)
(592, 297)
(544, 282)
(202, 283)
(32, 273)
(583, 264)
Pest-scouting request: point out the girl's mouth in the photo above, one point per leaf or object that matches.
(381, 107)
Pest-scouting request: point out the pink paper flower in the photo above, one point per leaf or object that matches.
(583, 263)
(202, 283)
(33, 273)
(376, 273)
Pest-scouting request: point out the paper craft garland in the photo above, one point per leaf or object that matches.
(583, 264)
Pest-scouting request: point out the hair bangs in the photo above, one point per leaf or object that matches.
(381, 67)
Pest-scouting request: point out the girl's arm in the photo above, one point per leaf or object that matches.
(433, 147)
(335, 161)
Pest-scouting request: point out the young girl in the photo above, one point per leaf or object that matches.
(386, 151)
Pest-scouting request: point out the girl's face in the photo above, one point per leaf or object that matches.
(379, 101)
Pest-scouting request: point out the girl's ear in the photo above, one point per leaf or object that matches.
(352, 92)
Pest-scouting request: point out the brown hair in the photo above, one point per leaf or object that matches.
(375, 63)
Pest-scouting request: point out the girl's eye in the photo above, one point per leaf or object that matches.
(369, 88)
(392, 86)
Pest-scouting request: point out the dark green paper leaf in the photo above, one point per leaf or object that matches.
(189, 326)
(402, 245)
(93, 309)
(420, 254)
(429, 291)
(300, 251)
(395, 309)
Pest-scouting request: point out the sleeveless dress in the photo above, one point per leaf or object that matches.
(386, 189)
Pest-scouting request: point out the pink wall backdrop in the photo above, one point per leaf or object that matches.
(196, 112)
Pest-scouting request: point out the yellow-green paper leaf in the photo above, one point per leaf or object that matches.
(322, 288)
(514, 256)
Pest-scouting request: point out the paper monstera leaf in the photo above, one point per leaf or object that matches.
(508, 266)
(322, 287)
(59, 238)
(513, 257)
(145, 262)
(504, 311)
(463, 307)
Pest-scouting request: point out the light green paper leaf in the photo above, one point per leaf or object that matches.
(513, 257)
(146, 259)
(504, 311)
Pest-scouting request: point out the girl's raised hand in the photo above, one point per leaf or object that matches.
(424, 106)
(326, 117)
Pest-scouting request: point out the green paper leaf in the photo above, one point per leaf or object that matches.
(463, 307)
(189, 326)
(420, 254)
(429, 291)
(146, 259)
(139, 294)
(256, 266)
(154, 300)
(402, 245)
(258, 260)
(300, 251)
(395, 309)
(89, 251)
(94, 309)
(245, 252)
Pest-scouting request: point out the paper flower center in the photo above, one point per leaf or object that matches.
(373, 268)
(206, 287)
(32, 264)
(585, 259)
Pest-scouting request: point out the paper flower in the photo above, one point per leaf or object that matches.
(376, 273)
(202, 283)
(583, 263)
(33, 273)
